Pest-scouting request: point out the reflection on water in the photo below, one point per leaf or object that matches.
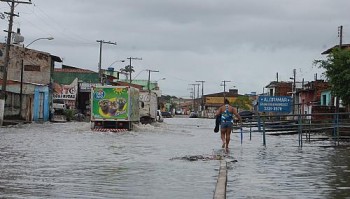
(69, 161)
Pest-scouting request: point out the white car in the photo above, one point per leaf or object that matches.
(58, 104)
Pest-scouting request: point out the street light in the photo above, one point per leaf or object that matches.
(22, 71)
(116, 62)
(48, 38)
(104, 73)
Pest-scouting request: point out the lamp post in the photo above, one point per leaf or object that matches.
(47, 38)
(116, 62)
(22, 71)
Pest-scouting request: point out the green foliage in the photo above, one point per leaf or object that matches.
(127, 69)
(242, 102)
(69, 113)
(337, 66)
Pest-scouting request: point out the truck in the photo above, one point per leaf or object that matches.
(114, 108)
(148, 107)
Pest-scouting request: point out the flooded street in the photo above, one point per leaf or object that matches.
(55, 160)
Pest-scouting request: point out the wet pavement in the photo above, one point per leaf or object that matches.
(174, 159)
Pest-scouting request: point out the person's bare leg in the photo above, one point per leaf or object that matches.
(228, 137)
(223, 137)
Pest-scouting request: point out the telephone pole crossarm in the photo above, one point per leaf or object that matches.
(100, 57)
(10, 1)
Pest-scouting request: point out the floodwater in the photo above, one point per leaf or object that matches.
(67, 160)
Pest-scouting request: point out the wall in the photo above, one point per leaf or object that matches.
(37, 67)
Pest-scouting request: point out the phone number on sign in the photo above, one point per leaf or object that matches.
(269, 108)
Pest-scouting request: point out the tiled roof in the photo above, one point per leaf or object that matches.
(344, 46)
(68, 70)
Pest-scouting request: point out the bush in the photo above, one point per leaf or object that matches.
(69, 113)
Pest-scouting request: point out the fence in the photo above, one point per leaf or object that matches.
(312, 127)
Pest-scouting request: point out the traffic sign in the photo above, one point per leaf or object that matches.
(274, 104)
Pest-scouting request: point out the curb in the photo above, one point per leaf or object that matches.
(220, 189)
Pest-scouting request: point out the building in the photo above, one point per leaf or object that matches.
(213, 101)
(28, 83)
(73, 85)
(310, 96)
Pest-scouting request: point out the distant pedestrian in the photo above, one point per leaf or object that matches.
(227, 113)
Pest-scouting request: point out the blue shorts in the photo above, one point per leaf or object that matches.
(225, 125)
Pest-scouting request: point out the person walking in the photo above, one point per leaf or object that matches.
(227, 112)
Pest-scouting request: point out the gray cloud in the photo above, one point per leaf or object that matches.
(187, 40)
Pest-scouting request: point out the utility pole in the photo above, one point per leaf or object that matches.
(340, 35)
(149, 78)
(202, 100)
(194, 96)
(100, 59)
(294, 90)
(224, 81)
(7, 55)
(130, 67)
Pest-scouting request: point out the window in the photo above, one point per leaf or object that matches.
(32, 68)
(324, 100)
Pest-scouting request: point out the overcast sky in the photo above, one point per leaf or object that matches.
(244, 42)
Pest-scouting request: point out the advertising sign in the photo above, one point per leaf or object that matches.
(110, 103)
(65, 92)
(274, 104)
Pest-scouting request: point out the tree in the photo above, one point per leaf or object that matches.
(242, 103)
(337, 66)
(127, 69)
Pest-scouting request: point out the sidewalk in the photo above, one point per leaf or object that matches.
(14, 122)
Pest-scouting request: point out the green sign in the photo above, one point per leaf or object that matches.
(110, 103)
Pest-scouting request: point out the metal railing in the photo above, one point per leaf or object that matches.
(322, 126)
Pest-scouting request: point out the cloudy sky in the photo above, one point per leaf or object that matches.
(242, 42)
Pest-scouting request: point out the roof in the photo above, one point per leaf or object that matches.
(119, 83)
(73, 70)
(56, 58)
(276, 84)
(344, 46)
(67, 75)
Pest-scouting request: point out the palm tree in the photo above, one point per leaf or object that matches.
(126, 70)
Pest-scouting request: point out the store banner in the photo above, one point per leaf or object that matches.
(65, 92)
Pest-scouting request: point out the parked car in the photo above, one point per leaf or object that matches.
(178, 112)
(58, 104)
(246, 115)
(194, 115)
(166, 115)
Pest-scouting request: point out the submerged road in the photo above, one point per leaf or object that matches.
(68, 160)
